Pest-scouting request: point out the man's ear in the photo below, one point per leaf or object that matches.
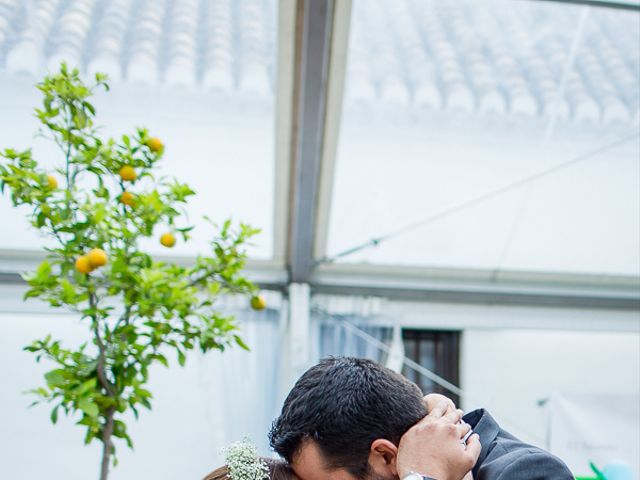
(382, 457)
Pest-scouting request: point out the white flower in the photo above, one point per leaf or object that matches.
(243, 462)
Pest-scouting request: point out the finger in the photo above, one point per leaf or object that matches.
(474, 447)
(437, 405)
(452, 416)
(436, 415)
(433, 399)
(463, 429)
(452, 408)
(437, 410)
(451, 411)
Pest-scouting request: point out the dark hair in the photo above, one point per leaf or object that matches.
(344, 404)
(278, 470)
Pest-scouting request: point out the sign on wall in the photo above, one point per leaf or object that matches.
(599, 429)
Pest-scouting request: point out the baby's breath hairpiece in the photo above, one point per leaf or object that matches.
(243, 462)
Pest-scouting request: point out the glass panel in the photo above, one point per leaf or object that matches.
(335, 340)
(198, 74)
(446, 102)
(410, 349)
(419, 346)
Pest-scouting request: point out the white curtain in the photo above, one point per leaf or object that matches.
(331, 338)
(240, 389)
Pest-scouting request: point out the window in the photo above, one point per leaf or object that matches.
(446, 101)
(200, 75)
(438, 351)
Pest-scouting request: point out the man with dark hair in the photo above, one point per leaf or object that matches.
(352, 419)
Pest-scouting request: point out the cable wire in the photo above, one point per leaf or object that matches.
(548, 134)
(435, 378)
(476, 200)
(431, 375)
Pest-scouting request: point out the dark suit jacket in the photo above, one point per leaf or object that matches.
(504, 457)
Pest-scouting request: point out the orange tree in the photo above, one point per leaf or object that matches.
(97, 206)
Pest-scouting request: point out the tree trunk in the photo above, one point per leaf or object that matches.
(107, 446)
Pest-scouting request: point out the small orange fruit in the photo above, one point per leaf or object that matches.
(168, 239)
(97, 258)
(258, 302)
(83, 265)
(52, 182)
(128, 174)
(155, 144)
(127, 198)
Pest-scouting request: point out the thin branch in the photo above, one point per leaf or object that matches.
(197, 280)
(100, 368)
(125, 317)
(67, 168)
(107, 444)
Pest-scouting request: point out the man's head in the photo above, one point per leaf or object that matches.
(344, 418)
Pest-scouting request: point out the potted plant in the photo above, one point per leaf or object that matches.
(97, 206)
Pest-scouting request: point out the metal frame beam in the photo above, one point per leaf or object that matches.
(269, 274)
(442, 294)
(299, 331)
(480, 286)
(284, 124)
(313, 41)
(634, 6)
(462, 286)
(333, 118)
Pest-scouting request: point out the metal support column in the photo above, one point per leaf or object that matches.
(299, 337)
(314, 31)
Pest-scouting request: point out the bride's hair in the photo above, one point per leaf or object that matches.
(278, 470)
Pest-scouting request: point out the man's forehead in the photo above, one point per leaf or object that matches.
(309, 464)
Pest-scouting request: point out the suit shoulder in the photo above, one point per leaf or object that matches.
(534, 464)
(511, 459)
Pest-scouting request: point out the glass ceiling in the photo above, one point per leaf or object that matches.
(200, 75)
(446, 102)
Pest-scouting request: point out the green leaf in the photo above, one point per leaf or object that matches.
(40, 391)
(88, 406)
(161, 358)
(54, 415)
(141, 392)
(33, 292)
(89, 436)
(56, 378)
(86, 386)
(181, 358)
(68, 294)
(40, 219)
(241, 343)
(120, 431)
(44, 272)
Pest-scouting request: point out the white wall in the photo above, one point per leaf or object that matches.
(514, 356)
(508, 371)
